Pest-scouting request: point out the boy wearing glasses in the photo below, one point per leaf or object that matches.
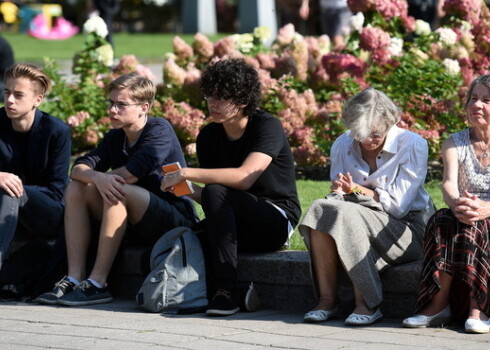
(117, 184)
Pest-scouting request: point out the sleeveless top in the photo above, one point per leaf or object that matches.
(472, 177)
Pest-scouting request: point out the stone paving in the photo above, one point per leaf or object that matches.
(121, 325)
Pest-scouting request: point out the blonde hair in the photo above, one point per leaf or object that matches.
(369, 111)
(141, 89)
(31, 72)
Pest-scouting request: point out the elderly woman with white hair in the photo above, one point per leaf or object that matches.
(375, 215)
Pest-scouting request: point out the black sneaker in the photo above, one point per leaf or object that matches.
(222, 304)
(86, 294)
(64, 286)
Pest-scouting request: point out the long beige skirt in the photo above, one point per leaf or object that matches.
(368, 240)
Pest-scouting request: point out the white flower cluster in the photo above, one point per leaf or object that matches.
(96, 25)
(263, 33)
(447, 36)
(396, 46)
(451, 66)
(356, 22)
(244, 42)
(105, 54)
(422, 27)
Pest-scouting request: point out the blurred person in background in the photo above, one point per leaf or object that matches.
(429, 11)
(106, 9)
(334, 16)
(6, 60)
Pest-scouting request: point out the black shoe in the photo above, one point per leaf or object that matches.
(86, 294)
(64, 286)
(11, 292)
(222, 304)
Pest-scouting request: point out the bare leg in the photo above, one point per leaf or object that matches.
(325, 262)
(81, 201)
(361, 307)
(476, 313)
(441, 300)
(113, 228)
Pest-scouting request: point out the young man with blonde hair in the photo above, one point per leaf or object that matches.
(117, 184)
(34, 159)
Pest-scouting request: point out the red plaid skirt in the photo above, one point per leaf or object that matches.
(463, 252)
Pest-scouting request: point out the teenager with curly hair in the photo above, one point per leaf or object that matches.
(249, 196)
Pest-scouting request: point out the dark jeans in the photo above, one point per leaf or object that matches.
(237, 221)
(34, 214)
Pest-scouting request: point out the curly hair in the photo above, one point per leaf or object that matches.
(232, 79)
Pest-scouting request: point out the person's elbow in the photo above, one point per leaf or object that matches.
(247, 180)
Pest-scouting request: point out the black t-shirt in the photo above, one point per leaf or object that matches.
(264, 133)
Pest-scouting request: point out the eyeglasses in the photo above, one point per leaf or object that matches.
(371, 137)
(120, 106)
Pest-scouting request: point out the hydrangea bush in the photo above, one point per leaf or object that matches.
(305, 81)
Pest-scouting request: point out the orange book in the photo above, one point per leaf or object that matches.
(183, 188)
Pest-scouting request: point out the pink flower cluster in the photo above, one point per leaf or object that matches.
(182, 50)
(186, 120)
(298, 109)
(387, 8)
(173, 73)
(286, 35)
(340, 65)
(77, 119)
(377, 42)
(468, 10)
(203, 48)
(129, 64)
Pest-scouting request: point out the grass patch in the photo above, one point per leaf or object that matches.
(146, 47)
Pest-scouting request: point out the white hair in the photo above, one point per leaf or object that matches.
(369, 111)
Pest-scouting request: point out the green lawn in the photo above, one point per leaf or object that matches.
(146, 47)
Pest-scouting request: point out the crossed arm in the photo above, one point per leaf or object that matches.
(110, 184)
(466, 207)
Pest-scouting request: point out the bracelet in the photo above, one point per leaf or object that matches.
(356, 190)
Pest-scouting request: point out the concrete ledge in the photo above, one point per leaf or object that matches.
(282, 280)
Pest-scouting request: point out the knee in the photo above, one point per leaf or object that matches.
(4, 196)
(78, 191)
(213, 192)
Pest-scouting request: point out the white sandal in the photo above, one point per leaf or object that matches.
(363, 320)
(316, 316)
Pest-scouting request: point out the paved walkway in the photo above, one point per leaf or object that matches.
(121, 325)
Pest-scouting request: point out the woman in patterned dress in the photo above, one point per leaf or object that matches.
(456, 264)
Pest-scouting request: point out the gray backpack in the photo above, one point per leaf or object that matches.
(177, 281)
